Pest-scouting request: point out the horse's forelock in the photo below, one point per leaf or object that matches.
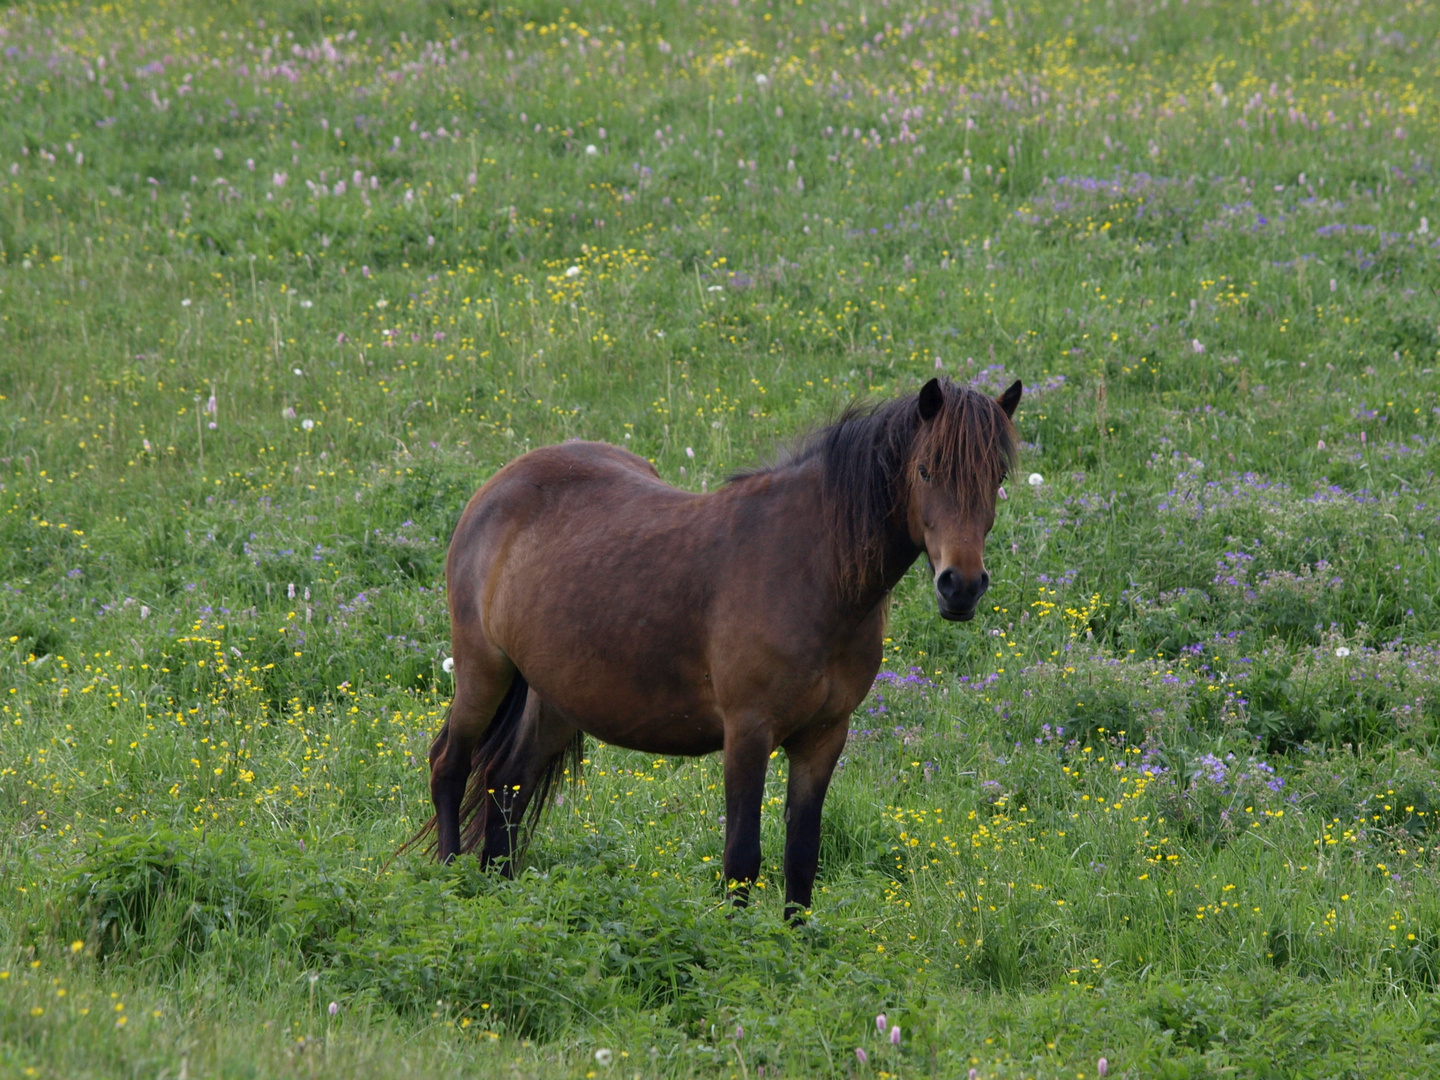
(969, 446)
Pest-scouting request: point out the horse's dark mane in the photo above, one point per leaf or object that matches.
(867, 456)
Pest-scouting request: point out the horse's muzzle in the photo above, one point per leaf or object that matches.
(957, 595)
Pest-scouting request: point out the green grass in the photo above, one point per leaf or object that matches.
(1201, 233)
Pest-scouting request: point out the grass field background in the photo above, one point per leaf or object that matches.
(282, 284)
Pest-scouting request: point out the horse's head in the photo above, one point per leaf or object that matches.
(963, 449)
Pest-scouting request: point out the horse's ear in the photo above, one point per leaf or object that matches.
(1010, 399)
(932, 400)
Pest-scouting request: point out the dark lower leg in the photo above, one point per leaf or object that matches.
(449, 773)
(745, 763)
(812, 762)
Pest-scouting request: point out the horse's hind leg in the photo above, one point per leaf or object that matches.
(483, 677)
(522, 767)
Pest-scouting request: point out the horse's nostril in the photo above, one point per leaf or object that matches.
(984, 580)
(946, 583)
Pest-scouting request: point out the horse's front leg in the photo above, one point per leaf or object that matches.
(812, 752)
(747, 754)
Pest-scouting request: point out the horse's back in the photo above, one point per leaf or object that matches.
(549, 480)
(551, 508)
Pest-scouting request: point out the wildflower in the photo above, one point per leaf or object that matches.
(279, 178)
(895, 1035)
(1196, 346)
(1342, 652)
(762, 80)
(307, 303)
(211, 406)
(219, 154)
(881, 1023)
(288, 412)
(334, 1007)
(146, 444)
(1102, 1066)
(308, 424)
(591, 150)
(690, 452)
(250, 163)
(448, 665)
(860, 1055)
(298, 371)
(185, 302)
(739, 1032)
(76, 946)
(1320, 445)
(365, 271)
(604, 1057)
(144, 612)
(573, 272)
(1035, 479)
(1332, 285)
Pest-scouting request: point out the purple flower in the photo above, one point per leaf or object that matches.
(1102, 1066)
(881, 1023)
(861, 1056)
(334, 1007)
(895, 1035)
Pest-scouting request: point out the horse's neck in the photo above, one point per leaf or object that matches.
(893, 562)
(899, 556)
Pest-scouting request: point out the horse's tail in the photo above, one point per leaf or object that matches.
(499, 743)
(507, 715)
(483, 804)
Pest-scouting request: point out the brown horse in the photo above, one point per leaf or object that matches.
(589, 596)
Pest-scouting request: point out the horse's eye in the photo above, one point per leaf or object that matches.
(924, 474)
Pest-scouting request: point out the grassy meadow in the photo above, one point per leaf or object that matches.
(282, 283)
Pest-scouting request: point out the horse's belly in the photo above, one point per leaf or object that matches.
(685, 729)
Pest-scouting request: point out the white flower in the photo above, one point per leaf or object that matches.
(382, 303)
(298, 371)
(573, 271)
(604, 1057)
(307, 303)
(185, 302)
(591, 150)
(448, 665)
(762, 80)
(1035, 479)
(308, 424)
(1342, 652)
